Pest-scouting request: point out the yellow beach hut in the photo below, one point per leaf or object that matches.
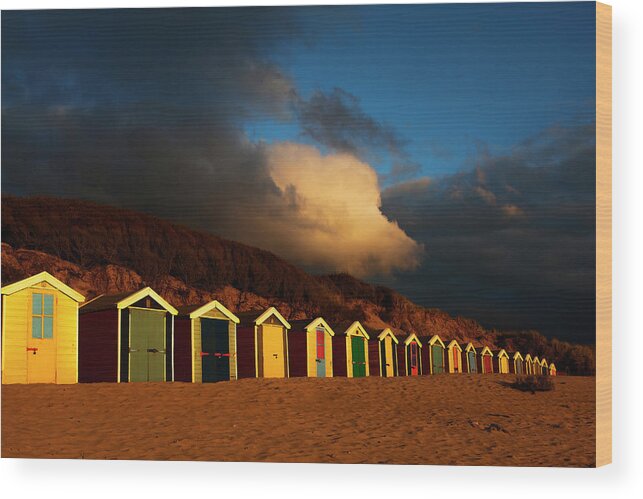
(552, 369)
(528, 364)
(350, 351)
(310, 348)
(485, 362)
(470, 359)
(382, 353)
(454, 357)
(40, 331)
(517, 364)
(205, 343)
(262, 344)
(501, 361)
(535, 366)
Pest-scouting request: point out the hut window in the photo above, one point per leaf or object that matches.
(42, 316)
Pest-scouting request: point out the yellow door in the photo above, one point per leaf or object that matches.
(41, 340)
(273, 351)
(388, 348)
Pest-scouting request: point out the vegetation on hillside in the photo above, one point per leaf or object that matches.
(92, 236)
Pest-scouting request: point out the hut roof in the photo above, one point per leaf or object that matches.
(517, 355)
(380, 334)
(124, 300)
(436, 339)
(412, 337)
(346, 328)
(9, 289)
(454, 343)
(196, 311)
(470, 347)
(306, 324)
(256, 317)
(486, 350)
(500, 353)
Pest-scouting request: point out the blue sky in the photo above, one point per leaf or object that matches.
(449, 79)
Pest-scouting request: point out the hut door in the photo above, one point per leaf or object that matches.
(473, 368)
(41, 343)
(147, 345)
(321, 353)
(437, 353)
(413, 347)
(486, 360)
(273, 351)
(359, 358)
(215, 350)
(456, 360)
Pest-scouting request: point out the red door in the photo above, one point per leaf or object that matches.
(487, 364)
(456, 361)
(414, 358)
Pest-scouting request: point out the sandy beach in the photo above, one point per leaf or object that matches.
(453, 420)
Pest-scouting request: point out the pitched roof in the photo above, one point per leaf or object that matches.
(124, 300)
(195, 311)
(257, 317)
(9, 289)
(305, 324)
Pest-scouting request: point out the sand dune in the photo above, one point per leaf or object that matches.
(457, 419)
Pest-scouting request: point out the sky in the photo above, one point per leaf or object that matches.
(446, 151)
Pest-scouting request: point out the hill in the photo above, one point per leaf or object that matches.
(101, 249)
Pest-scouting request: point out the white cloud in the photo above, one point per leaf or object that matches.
(334, 221)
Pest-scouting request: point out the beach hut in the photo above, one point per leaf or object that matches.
(485, 361)
(262, 344)
(436, 355)
(470, 356)
(517, 364)
(205, 343)
(382, 353)
(552, 369)
(412, 355)
(528, 364)
(454, 357)
(500, 361)
(40, 331)
(126, 337)
(544, 367)
(310, 348)
(350, 351)
(535, 366)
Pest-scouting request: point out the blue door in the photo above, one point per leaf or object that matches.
(472, 363)
(321, 353)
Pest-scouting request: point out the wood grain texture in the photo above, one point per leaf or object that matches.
(603, 234)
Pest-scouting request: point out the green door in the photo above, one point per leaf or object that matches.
(359, 358)
(437, 353)
(147, 345)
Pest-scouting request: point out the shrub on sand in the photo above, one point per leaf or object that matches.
(533, 384)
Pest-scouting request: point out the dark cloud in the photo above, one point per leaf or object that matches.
(145, 109)
(336, 119)
(510, 242)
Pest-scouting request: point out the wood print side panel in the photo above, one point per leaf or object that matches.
(603, 234)
(374, 358)
(246, 352)
(298, 354)
(339, 356)
(232, 345)
(98, 347)
(183, 350)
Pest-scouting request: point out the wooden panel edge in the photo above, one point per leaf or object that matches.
(603, 234)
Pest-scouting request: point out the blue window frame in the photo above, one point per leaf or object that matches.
(42, 316)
